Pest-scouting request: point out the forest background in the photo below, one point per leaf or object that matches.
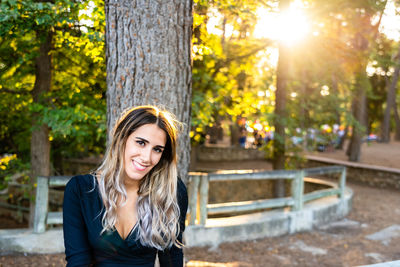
(289, 66)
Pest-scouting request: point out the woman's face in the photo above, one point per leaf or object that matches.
(143, 150)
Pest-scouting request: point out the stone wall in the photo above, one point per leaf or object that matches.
(376, 176)
(80, 166)
(203, 153)
(244, 190)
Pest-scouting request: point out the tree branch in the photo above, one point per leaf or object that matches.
(222, 63)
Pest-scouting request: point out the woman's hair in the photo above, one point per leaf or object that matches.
(157, 207)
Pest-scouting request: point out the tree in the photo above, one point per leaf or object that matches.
(40, 143)
(280, 110)
(390, 101)
(363, 42)
(149, 61)
(34, 74)
(226, 82)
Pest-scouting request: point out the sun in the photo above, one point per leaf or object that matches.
(288, 27)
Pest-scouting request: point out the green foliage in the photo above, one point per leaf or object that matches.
(75, 107)
(14, 171)
(9, 165)
(225, 82)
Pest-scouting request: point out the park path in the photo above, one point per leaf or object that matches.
(370, 234)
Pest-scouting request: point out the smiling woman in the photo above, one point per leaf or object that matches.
(134, 206)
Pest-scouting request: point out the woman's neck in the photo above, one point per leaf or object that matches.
(131, 186)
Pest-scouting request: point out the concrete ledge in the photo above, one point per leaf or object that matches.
(268, 224)
(216, 231)
(25, 241)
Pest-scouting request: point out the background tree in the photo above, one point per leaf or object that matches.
(391, 100)
(37, 38)
(226, 77)
(363, 42)
(149, 61)
(280, 121)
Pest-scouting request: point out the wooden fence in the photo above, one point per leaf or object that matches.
(42, 215)
(199, 208)
(198, 187)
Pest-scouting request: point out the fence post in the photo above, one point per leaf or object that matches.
(41, 204)
(203, 198)
(342, 184)
(193, 192)
(298, 190)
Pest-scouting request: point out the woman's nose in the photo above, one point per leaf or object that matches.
(146, 155)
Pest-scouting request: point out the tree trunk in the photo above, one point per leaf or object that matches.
(390, 101)
(280, 110)
(362, 39)
(149, 61)
(397, 121)
(235, 133)
(40, 144)
(343, 139)
(359, 111)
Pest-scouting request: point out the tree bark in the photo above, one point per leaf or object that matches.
(40, 144)
(148, 51)
(280, 110)
(235, 133)
(397, 121)
(390, 101)
(359, 111)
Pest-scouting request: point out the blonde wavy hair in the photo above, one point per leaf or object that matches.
(157, 206)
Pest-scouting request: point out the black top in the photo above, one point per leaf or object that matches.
(83, 210)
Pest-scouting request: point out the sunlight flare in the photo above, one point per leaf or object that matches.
(289, 27)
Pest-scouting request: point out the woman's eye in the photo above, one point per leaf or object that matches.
(158, 150)
(141, 143)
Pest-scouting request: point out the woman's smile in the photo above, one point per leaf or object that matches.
(143, 150)
(138, 166)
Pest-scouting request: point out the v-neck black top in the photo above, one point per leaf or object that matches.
(83, 210)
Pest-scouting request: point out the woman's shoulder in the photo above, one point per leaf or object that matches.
(182, 193)
(181, 186)
(82, 182)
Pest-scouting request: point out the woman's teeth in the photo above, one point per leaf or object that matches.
(139, 166)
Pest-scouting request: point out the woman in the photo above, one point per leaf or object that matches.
(134, 205)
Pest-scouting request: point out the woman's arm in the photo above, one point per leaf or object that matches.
(77, 248)
(173, 257)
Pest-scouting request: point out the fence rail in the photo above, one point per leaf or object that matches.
(199, 209)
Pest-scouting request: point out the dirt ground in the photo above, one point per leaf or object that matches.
(343, 243)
